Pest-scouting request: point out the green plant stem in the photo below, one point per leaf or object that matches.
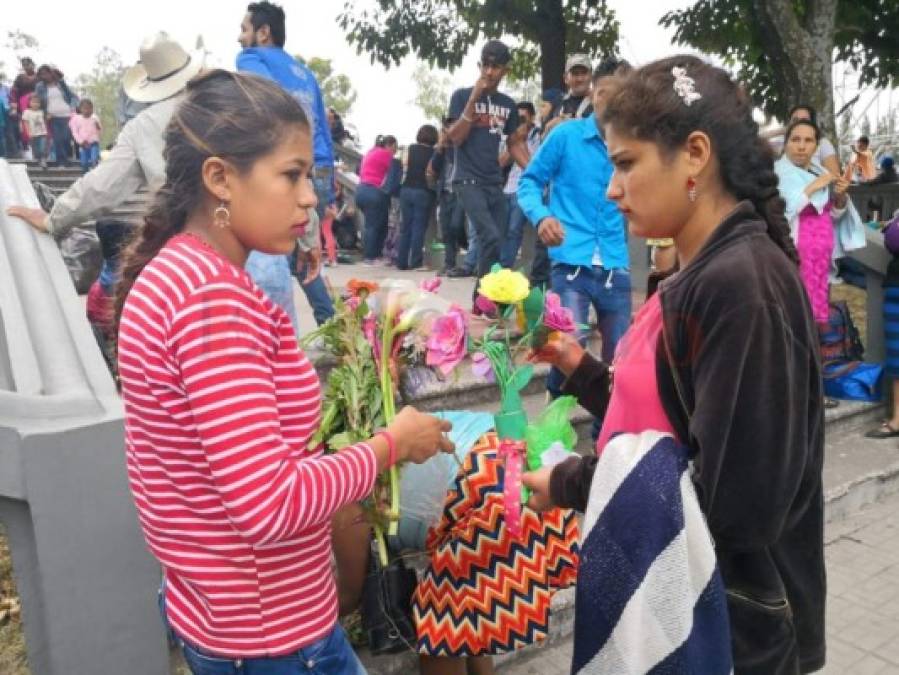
(382, 545)
(389, 405)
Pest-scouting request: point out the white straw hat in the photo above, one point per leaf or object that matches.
(164, 69)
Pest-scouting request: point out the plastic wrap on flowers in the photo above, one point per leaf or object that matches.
(423, 487)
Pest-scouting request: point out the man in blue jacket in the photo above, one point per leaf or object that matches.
(262, 35)
(585, 231)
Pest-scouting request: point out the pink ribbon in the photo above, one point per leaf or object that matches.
(513, 453)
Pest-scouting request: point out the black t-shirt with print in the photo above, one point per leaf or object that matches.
(495, 116)
(570, 105)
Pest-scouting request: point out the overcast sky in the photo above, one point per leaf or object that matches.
(71, 34)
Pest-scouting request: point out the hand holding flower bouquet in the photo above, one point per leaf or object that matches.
(374, 332)
(537, 316)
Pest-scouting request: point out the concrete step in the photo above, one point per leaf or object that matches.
(858, 471)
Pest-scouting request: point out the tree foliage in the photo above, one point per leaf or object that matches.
(337, 89)
(101, 86)
(773, 42)
(432, 93)
(20, 42)
(442, 32)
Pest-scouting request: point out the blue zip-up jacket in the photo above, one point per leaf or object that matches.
(574, 161)
(276, 64)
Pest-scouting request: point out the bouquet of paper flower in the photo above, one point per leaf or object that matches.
(537, 317)
(376, 330)
(379, 330)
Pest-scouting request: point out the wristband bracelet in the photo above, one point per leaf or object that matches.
(391, 446)
(466, 117)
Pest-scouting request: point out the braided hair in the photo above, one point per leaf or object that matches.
(647, 106)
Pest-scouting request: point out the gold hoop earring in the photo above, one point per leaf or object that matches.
(221, 216)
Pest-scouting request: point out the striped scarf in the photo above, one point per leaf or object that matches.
(649, 595)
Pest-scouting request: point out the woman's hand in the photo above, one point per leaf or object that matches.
(538, 483)
(37, 218)
(561, 350)
(840, 186)
(419, 436)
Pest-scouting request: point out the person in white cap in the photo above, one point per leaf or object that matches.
(136, 160)
(577, 102)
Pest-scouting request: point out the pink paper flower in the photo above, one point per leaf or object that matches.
(556, 316)
(480, 366)
(446, 343)
(486, 306)
(370, 331)
(431, 285)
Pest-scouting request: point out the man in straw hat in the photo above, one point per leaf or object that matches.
(136, 161)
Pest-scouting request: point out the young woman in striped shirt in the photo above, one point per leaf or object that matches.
(220, 403)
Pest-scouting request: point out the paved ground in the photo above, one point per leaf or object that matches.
(863, 600)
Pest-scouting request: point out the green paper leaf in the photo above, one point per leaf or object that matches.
(521, 377)
(533, 308)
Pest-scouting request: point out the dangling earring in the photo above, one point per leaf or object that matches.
(221, 216)
(691, 189)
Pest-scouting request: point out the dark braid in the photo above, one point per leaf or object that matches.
(747, 168)
(647, 107)
(239, 118)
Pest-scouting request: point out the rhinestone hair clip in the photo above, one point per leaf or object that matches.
(685, 86)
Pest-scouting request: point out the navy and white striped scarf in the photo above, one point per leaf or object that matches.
(649, 595)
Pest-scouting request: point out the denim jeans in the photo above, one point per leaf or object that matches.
(514, 232)
(272, 274)
(470, 262)
(317, 290)
(609, 291)
(485, 206)
(89, 156)
(38, 148)
(416, 206)
(332, 655)
(452, 220)
(62, 138)
(375, 207)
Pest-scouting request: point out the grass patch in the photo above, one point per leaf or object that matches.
(13, 659)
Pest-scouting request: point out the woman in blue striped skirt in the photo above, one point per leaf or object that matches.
(889, 428)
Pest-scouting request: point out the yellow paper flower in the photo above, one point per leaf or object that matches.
(505, 287)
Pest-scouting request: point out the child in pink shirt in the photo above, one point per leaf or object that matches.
(85, 126)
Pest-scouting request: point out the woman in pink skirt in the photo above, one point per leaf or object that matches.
(815, 198)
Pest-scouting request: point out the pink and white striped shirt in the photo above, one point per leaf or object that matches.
(220, 404)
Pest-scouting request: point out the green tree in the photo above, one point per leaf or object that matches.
(432, 93)
(784, 49)
(101, 86)
(337, 89)
(442, 32)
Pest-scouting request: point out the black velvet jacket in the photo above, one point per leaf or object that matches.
(740, 380)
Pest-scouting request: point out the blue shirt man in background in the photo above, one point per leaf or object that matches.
(585, 231)
(262, 35)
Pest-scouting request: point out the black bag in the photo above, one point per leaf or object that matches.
(387, 606)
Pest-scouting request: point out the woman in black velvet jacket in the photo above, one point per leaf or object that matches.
(737, 359)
